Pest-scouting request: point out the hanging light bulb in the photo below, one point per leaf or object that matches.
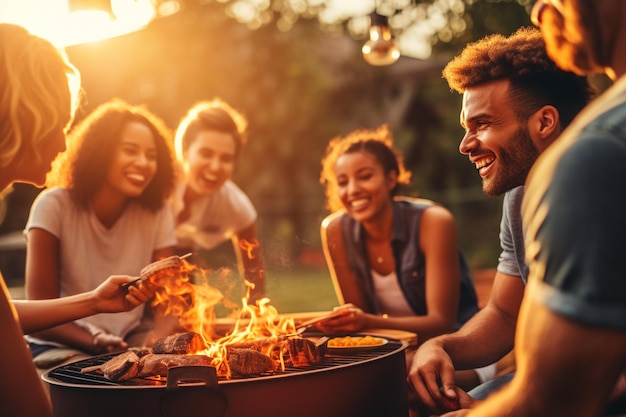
(96, 5)
(380, 49)
(73, 22)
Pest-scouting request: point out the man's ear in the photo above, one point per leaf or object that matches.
(545, 126)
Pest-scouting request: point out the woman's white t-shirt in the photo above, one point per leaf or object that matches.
(213, 219)
(90, 252)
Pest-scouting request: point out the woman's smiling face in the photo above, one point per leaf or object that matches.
(210, 161)
(363, 187)
(134, 162)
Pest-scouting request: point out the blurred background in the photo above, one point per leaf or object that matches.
(296, 70)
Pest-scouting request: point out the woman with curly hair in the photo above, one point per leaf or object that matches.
(395, 261)
(105, 212)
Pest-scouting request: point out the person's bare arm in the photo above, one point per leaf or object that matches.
(563, 367)
(42, 282)
(250, 260)
(439, 243)
(344, 282)
(23, 393)
(484, 339)
(491, 331)
(109, 297)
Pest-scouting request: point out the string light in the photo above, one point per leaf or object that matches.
(380, 49)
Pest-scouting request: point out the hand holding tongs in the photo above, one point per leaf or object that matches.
(312, 322)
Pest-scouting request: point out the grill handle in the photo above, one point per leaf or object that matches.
(179, 375)
(193, 391)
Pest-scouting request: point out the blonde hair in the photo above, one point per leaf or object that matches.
(39, 90)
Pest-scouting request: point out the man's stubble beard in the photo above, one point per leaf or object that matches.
(513, 164)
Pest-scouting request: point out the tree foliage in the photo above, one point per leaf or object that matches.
(300, 86)
(419, 25)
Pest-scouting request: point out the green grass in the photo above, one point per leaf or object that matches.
(300, 289)
(292, 287)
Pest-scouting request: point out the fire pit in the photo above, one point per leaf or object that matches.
(368, 381)
(360, 382)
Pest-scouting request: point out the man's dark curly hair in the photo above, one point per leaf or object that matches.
(521, 58)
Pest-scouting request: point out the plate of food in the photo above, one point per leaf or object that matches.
(348, 343)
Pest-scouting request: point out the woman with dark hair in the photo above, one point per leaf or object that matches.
(389, 256)
(105, 212)
(210, 208)
(395, 261)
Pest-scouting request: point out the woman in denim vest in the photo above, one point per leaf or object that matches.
(395, 261)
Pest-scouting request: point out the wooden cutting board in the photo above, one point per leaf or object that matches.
(224, 325)
(387, 333)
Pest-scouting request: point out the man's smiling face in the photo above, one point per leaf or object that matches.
(495, 141)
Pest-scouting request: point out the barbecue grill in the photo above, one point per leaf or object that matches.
(358, 382)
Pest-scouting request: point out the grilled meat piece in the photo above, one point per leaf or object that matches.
(305, 352)
(140, 351)
(156, 364)
(244, 362)
(172, 264)
(185, 343)
(122, 367)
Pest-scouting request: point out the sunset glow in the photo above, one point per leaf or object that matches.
(51, 19)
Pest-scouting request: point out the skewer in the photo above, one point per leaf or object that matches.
(90, 369)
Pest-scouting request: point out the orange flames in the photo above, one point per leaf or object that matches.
(258, 325)
(248, 247)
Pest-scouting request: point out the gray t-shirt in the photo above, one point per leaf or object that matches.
(512, 260)
(574, 216)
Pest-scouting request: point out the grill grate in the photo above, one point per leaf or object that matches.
(71, 373)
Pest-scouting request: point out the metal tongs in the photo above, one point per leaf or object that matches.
(156, 267)
(312, 322)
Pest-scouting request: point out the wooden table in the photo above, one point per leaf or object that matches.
(223, 325)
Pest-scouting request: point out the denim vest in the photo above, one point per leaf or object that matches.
(409, 260)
